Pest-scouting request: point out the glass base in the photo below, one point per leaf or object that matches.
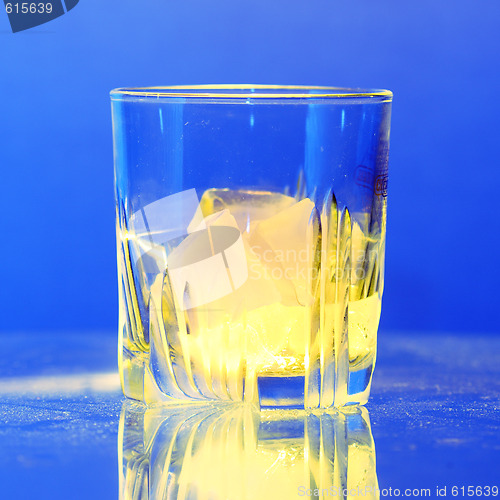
(139, 382)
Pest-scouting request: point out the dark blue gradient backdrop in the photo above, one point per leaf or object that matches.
(441, 60)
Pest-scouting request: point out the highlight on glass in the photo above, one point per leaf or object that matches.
(251, 224)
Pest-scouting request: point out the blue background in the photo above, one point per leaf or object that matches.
(441, 60)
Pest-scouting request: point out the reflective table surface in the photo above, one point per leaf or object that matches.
(431, 426)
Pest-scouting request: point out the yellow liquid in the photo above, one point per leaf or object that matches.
(308, 276)
(278, 243)
(272, 338)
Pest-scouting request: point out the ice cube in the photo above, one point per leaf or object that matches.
(285, 244)
(245, 206)
(364, 316)
(208, 264)
(257, 291)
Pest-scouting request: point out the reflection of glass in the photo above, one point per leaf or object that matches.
(198, 452)
(251, 236)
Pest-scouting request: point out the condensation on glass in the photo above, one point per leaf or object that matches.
(251, 233)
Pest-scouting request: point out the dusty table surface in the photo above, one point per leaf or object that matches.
(434, 414)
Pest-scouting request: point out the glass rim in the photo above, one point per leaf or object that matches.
(248, 91)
